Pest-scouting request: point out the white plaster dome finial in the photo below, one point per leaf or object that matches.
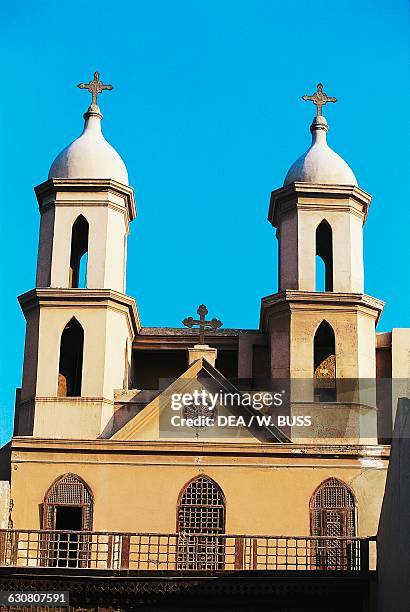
(90, 155)
(320, 164)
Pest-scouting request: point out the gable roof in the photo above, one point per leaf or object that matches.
(153, 421)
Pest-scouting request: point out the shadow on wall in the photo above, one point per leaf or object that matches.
(5, 458)
(393, 538)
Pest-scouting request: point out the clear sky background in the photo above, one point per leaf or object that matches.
(206, 112)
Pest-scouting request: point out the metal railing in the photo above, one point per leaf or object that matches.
(180, 551)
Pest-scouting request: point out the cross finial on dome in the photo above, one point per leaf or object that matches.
(95, 87)
(319, 98)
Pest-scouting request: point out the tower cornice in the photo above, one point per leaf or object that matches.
(56, 297)
(317, 196)
(47, 191)
(289, 299)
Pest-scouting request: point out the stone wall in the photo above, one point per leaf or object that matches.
(4, 503)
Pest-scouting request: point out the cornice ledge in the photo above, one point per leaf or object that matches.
(322, 296)
(67, 400)
(315, 190)
(84, 184)
(315, 297)
(41, 295)
(30, 444)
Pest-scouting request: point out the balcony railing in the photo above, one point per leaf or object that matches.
(180, 552)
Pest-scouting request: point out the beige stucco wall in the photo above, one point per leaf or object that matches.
(71, 417)
(355, 363)
(45, 248)
(292, 318)
(137, 489)
(347, 242)
(107, 216)
(247, 342)
(106, 252)
(354, 336)
(297, 210)
(400, 365)
(105, 334)
(287, 234)
(108, 334)
(279, 337)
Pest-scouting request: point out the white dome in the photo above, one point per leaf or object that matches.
(320, 164)
(90, 156)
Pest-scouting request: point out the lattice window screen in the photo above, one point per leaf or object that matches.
(202, 508)
(69, 490)
(333, 510)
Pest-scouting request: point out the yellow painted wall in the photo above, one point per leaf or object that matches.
(137, 491)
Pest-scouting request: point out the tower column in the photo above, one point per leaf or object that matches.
(321, 324)
(80, 323)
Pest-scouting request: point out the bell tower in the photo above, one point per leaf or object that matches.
(321, 324)
(79, 322)
(320, 219)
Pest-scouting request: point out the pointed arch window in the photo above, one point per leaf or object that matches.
(71, 360)
(79, 253)
(200, 521)
(324, 257)
(324, 363)
(333, 515)
(69, 491)
(67, 510)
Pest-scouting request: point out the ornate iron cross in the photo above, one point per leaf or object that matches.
(95, 87)
(203, 325)
(319, 98)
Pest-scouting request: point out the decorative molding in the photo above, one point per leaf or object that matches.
(184, 449)
(105, 298)
(292, 299)
(53, 186)
(311, 196)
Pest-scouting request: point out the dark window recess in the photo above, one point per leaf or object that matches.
(261, 364)
(71, 360)
(324, 364)
(69, 518)
(324, 251)
(227, 364)
(66, 551)
(149, 367)
(78, 256)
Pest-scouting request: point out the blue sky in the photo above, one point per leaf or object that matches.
(206, 113)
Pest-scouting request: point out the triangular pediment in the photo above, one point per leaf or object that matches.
(167, 417)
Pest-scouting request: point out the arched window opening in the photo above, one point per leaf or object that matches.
(67, 509)
(79, 251)
(333, 515)
(200, 521)
(324, 363)
(71, 360)
(324, 257)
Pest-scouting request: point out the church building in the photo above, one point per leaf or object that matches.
(118, 478)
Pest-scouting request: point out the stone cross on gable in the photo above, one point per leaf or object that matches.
(95, 87)
(319, 98)
(202, 323)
